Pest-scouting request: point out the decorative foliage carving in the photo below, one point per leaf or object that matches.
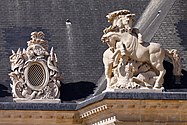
(35, 74)
(131, 63)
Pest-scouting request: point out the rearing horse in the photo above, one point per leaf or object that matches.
(152, 54)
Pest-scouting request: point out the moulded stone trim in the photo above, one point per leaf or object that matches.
(93, 111)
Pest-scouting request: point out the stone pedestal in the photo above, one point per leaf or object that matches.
(22, 100)
(135, 90)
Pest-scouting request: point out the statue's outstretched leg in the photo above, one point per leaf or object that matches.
(156, 60)
(160, 80)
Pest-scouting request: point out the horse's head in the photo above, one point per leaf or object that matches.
(111, 38)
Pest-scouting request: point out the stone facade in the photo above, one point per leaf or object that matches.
(105, 112)
(139, 112)
(31, 117)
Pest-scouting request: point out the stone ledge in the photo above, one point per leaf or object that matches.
(23, 100)
(93, 111)
(37, 106)
(133, 95)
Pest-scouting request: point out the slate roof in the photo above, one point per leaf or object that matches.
(78, 47)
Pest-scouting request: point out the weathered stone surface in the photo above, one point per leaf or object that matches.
(164, 96)
(111, 108)
(131, 63)
(34, 72)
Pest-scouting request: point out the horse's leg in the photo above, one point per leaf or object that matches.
(160, 80)
(156, 60)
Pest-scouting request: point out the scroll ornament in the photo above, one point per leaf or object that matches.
(35, 74)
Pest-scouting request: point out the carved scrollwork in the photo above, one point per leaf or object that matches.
(35, 73)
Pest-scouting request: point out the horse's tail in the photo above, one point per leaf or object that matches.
(174, 55)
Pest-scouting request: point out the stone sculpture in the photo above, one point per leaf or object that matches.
(35, 75)
(131, 63)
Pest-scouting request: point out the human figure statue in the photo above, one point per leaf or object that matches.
(122, 21)
(128, 63)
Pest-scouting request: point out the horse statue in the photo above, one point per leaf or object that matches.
(122, 41)
(152, 54)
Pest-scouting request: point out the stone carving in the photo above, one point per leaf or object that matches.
(131, 63)
(93, 111)
(108, 121)
(35, 74)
